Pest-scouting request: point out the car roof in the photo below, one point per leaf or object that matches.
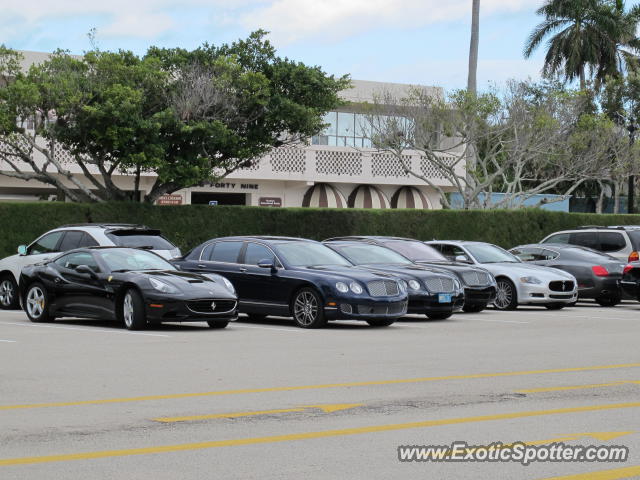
(368, 237)
(114, 226)
(459, 242)
(265, 238)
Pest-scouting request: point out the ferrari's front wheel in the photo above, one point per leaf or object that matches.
(133, 313)
(36, 303)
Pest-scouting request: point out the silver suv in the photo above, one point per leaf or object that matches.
(620, 241)
(69, 237)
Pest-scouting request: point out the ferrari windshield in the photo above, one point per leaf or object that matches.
(370, 254)
(130, 259)
(485, 253)
(308, 254)
(416, 251)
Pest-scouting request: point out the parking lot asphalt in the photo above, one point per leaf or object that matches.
(91, 400)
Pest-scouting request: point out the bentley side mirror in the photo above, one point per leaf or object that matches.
(22, 250)
(462, 258)
(86, 270)
(267, 263)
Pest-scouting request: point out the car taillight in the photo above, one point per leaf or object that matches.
(627, 268)
(600, 271)
(633, 257)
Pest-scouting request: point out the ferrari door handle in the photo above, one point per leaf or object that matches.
(201, 266)
(57, 280)
(242, 269)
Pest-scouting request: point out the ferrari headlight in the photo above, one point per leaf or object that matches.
(355, 288)
(342, 287)
(162, 286)
(414, 285)
(229, 285)
(531, 280)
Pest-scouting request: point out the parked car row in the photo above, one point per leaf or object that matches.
(133, 274)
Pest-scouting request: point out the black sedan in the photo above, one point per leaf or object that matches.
(299, 278)
(432, 292)
(630, 281)
(130, 285)
(597, 273)
(479, 285)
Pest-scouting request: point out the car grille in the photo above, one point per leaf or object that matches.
(475, 278)
(439, 284)
(398, 308)
(383, 288)
(559, 286)
(560, 297)
(206, 306)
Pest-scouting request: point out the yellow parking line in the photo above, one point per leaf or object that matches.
(615, 474)
(315, 387)
(309, 435)
(578, 387)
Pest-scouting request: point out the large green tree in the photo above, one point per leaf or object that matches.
(188, 117)
(595, 37)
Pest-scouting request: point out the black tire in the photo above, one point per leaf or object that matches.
(381, 322)
(256, 317)
(608, 301)
(218, 325)
(9, 299)
(132, 309)
(555, 306)
(473, 308)
(439, 315)
(506, 295)
(307, 309)
(36, 303)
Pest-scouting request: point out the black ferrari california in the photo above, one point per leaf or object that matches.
(134, 286)
(479, 285)
(432, 292)
(299, 278)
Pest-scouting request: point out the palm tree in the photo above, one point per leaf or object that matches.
(473, 47)
(584, 35)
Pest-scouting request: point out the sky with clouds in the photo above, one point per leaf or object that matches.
(406, 41)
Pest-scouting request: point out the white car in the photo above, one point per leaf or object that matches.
(518, 283)
(69, 237)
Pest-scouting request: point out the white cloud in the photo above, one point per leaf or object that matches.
(293, 20)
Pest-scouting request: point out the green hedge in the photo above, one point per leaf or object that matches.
(189, 225)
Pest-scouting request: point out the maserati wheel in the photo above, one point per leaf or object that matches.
(506, 295)
(8, 293)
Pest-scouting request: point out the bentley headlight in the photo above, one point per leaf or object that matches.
(342, 287)
(414, 285)
(162, 286)
(229, 285)
(457, 284)
(355, 288)
(531, 280)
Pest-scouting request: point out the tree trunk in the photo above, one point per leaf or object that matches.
(583, 81)
(616, 196)
(600, 202)
(473, 48)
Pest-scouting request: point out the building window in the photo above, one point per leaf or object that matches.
(344, 130)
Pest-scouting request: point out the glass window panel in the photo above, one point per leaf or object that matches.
(363, 127)
(331, 119)
(346, 124)
(332, 141)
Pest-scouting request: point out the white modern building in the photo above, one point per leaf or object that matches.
(337, 168)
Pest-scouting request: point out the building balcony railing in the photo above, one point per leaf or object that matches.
(343, 165)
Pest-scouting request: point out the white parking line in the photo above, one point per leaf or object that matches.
(7, 341)
(88, 329)
(495, 320)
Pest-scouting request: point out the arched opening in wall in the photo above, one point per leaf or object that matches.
(367, 196)
(324, 195)
(410, 197)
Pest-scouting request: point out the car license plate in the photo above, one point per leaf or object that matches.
(444, 298)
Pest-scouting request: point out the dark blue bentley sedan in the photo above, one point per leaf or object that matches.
(299, 278)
